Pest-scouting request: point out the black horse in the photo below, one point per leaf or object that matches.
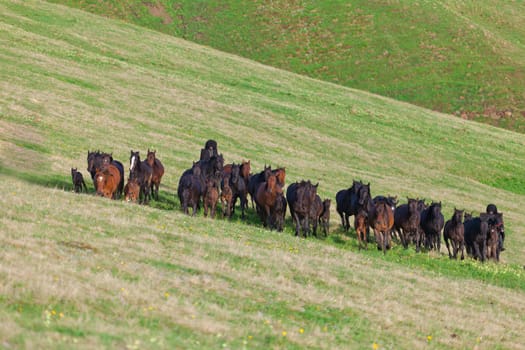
(476, 234)
(432, 222)
(454, 232)
(210, 150)
(492, 209)
(350, 201)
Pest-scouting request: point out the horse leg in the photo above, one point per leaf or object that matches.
(360, 238)
(152, 188)
(378, 238)
(455, 248)
(342, 218)
(384, 240)
(268, 217)
(244, 202)
(297, 223)
(446, 243)
(213, 209)
(365, 234)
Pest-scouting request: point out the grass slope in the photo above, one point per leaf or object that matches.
(85, 272)
(451, 56)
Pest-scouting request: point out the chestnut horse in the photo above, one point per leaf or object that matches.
(132, 191)
(265, 199)
(96, 160)
(158, 172)
(280, 174)
(107, 181)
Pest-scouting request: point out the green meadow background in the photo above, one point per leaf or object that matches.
(465, 58)
(79, 271)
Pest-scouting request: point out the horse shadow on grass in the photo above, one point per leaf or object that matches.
(50, 181)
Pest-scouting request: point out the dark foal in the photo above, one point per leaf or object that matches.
(78, 180)
(454, 232)
(211, 197)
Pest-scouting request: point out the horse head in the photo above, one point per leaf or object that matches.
(134, 160)
(458, 215)
(151, 157)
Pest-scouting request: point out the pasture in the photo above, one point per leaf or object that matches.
(87, 272)
(459, 57)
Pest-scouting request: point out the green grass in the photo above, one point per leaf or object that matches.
(450, 56)
(129, 276)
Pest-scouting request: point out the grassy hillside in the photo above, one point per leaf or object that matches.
(78, 271)
(465, 58)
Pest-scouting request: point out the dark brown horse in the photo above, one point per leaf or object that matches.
(301, 197)
(210, 198)
(239, 190)
(142, 172)
(158, 172)
(278, 212)
(455, 233)
(494, 236)
(381, 219)
(325, 216)
(190, 190)
(406, 221)
(226, 197)
(107, 181)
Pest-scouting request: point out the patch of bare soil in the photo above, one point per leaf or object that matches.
(158, 10)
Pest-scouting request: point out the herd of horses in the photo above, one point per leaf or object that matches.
(209, 181)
